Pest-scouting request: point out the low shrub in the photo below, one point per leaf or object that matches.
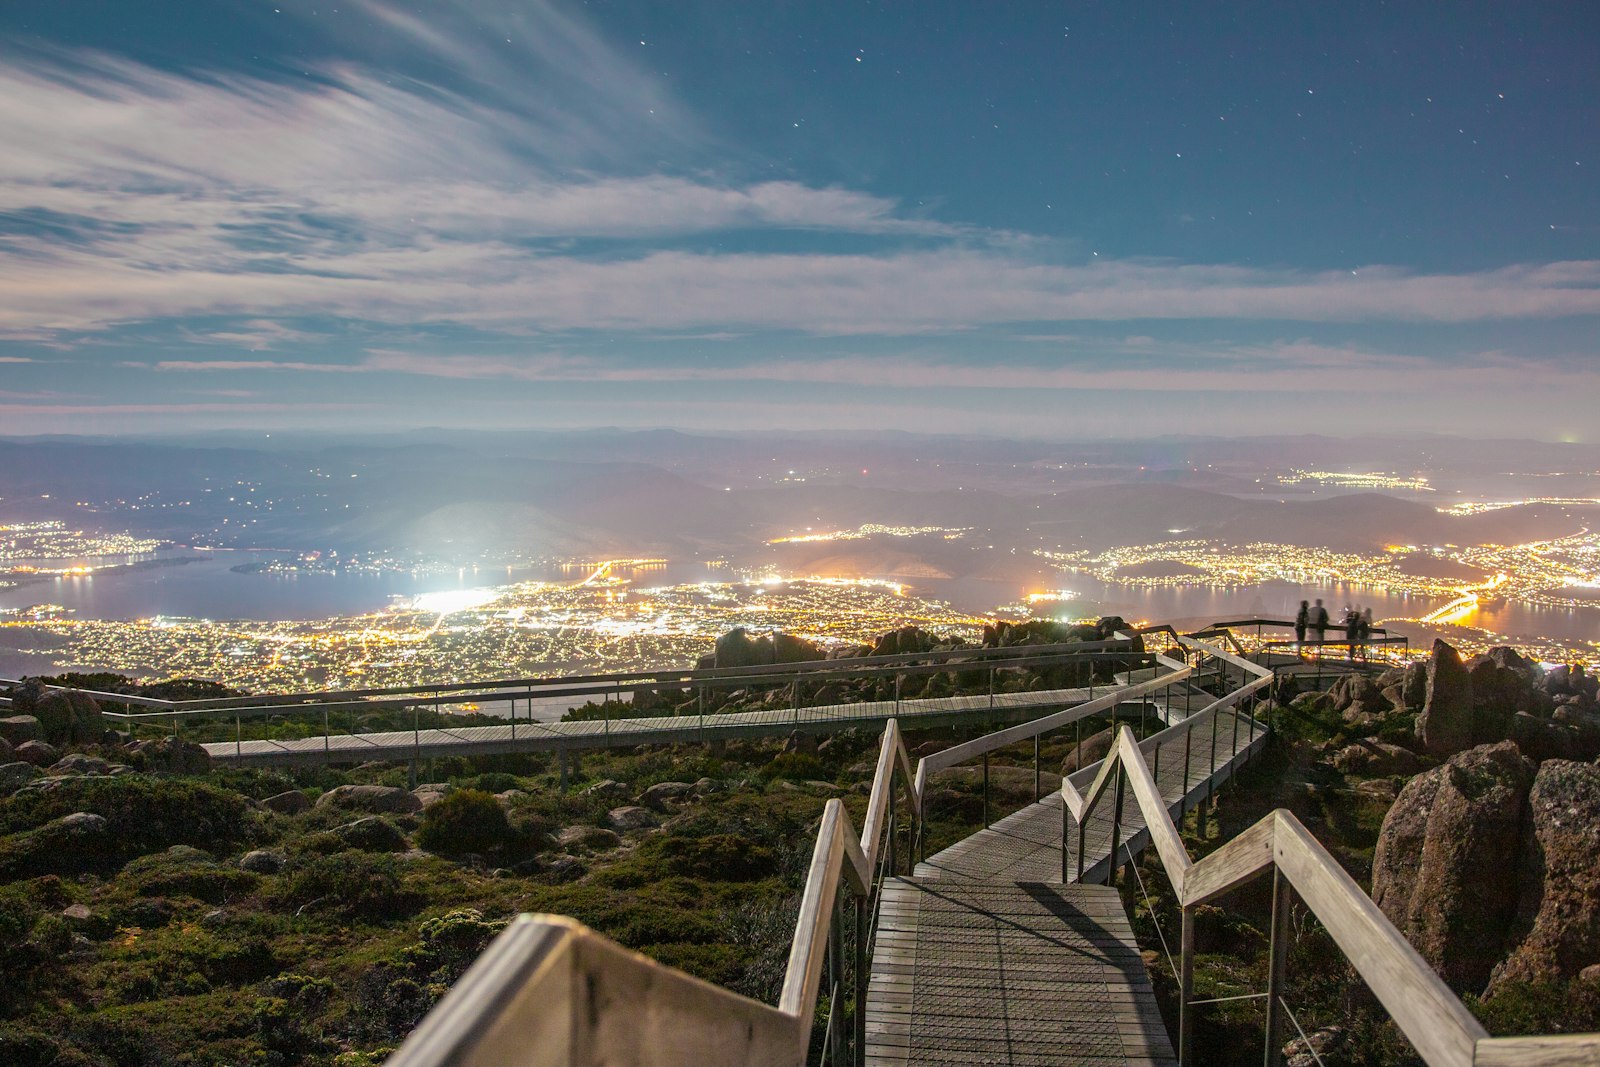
(216, 886)
(797, 766)
(489, 782)
(1551, 1007)
(356, 883)
(142, 815)
(468, 820)
(718, 858)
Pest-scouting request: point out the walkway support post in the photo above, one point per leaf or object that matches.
(1279, 949)
(1036, 793)
(859, 1042)
(1186, 990)
(986, 790)
(1116, 833)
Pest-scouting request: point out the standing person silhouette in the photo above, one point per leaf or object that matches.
(1302, 619)
(1319, 622)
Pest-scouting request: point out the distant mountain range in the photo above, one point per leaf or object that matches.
(678, 494)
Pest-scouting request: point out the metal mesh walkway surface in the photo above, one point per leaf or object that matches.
(966, 973)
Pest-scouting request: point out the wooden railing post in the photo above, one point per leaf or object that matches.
(859, 1044)
(986, 790)
(1279, 951)
(1065, 817)
(1186, 990)
(1116, 827)
(1036, 793)
(1080, 850)
(1188, 736)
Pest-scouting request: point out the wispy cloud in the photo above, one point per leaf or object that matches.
(525, 193)
(1283, 366)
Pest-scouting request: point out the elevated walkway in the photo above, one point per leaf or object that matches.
(1029, 845)
(997, 951)
(655, 730)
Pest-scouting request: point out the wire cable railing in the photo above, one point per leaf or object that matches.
(1440, 1028)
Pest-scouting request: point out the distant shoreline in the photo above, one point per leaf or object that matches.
(18, 582)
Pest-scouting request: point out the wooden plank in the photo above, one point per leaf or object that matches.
(1001, 738)
(1548, 1050)
(549, 992)
(799, 996)
(1237, 862)
(1154, 808)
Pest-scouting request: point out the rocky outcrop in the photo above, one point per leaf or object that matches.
(588, 839)
(20, 728)
(661, 794)
(630, 818)
(737, 648)
(1376, 759)
(1359, 699)
(904, 642)
(83, 822)
(1445, 725)
(1558, 917)
(291, 802)
(607, 789)
(70, 718)
(38, 753)
(1443, 855)
(171, 755)
(1092, 749)
(1413, 687)
(382, 799)
(786, 648)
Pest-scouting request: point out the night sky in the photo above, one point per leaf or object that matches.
(1044, 219)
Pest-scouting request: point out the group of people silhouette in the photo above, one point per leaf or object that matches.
(1356, 623)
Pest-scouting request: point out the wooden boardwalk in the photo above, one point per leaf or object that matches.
(1027, 845)
(1020, 973)
(535, 736)
(987, 955)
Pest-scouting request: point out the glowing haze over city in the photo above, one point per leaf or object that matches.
(375, 343)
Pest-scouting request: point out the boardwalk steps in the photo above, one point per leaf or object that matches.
(994, 952)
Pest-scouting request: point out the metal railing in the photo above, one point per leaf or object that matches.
(621, 695)
(1201, 736)
(1438, 1025)
(1035, 729)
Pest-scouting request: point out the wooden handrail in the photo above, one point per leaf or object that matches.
(950, 757)
(834, 856)
(1438, 1025)
(841, 859)
(550, 992)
